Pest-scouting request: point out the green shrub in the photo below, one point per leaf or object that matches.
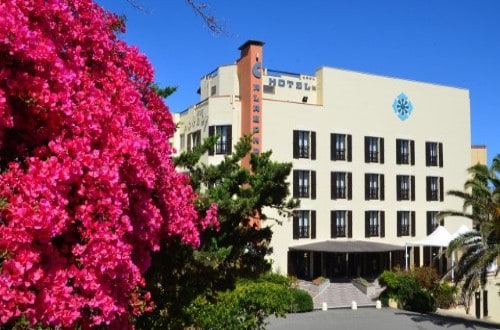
(384, 298)
(404, 287)
(408, 287)
(445, 295)
(390, 279)
(275, 278)
(247, 306)
(301, 301)
(421, 301)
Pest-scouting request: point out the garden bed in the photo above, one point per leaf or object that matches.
(364, 286)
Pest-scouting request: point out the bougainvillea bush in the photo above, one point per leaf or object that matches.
(87, 186)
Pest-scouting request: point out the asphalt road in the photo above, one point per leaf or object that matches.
(374, 319)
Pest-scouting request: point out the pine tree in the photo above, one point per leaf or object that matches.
(236, 249)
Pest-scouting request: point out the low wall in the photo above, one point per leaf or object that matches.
(368, 290)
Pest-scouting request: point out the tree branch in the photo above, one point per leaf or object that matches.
(211, 22)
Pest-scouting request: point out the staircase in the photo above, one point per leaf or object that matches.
(341, 295)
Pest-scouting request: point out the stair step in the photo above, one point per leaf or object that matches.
(340, 295)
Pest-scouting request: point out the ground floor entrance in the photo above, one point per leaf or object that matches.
(310, 265)
(344, 259)
(348, 260)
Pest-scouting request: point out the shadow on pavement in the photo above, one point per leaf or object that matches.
(448, 321)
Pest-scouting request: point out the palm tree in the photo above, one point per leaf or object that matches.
(480, 247)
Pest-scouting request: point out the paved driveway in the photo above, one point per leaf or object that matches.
(374, 319)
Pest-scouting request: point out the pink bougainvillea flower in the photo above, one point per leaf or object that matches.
(87, 186)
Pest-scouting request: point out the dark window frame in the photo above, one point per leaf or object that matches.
(432, 221)
(223, 144)
(341, 192)
(434, 154)
(374, 223)
(405, 152)
(374, 149)
(340, 147)
(304, 144)
(435, 188)
(405, 223)
(374, 186)
(339, 228)
(304, 229)
(300, 190)
(405, 187)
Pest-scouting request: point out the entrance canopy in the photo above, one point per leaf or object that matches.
(439, 237)
(350, 246)
(462, 230)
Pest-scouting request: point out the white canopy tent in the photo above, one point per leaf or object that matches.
(440, 237)
(462, 230)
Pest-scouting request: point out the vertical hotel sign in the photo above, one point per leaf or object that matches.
(250, 83)
(256, 104)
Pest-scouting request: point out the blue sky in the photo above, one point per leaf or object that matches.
(448, 42)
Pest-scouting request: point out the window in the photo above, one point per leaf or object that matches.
(304, 184)
(268, 89)
(405, 151)
(433, 222)
(304, 144)
(213, 90)
(304, 224)
(341, 224)
(374, 224)
(433, 154)
(435, 189)
(405, 187)
(374, 149)
(193, 140)
(340, 147)
(374, 186)
(406, 223)
(341, 185)
(224, 138)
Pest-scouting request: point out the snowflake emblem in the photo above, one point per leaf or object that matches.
(402, 106)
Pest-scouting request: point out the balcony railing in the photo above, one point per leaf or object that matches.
(433, 195)
(340, 154)
(373, 156)
(404, 158)
(303, 152)
(404, 194)
(303, 191)
(221, 148)
(373, 193)
(373, 230)
(304, 231)
(340, 192)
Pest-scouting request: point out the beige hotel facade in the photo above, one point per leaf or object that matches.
(372, 156)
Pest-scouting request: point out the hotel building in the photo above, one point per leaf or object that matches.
(372, 157)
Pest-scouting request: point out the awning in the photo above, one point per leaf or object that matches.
(439, 237)
(350, 246)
